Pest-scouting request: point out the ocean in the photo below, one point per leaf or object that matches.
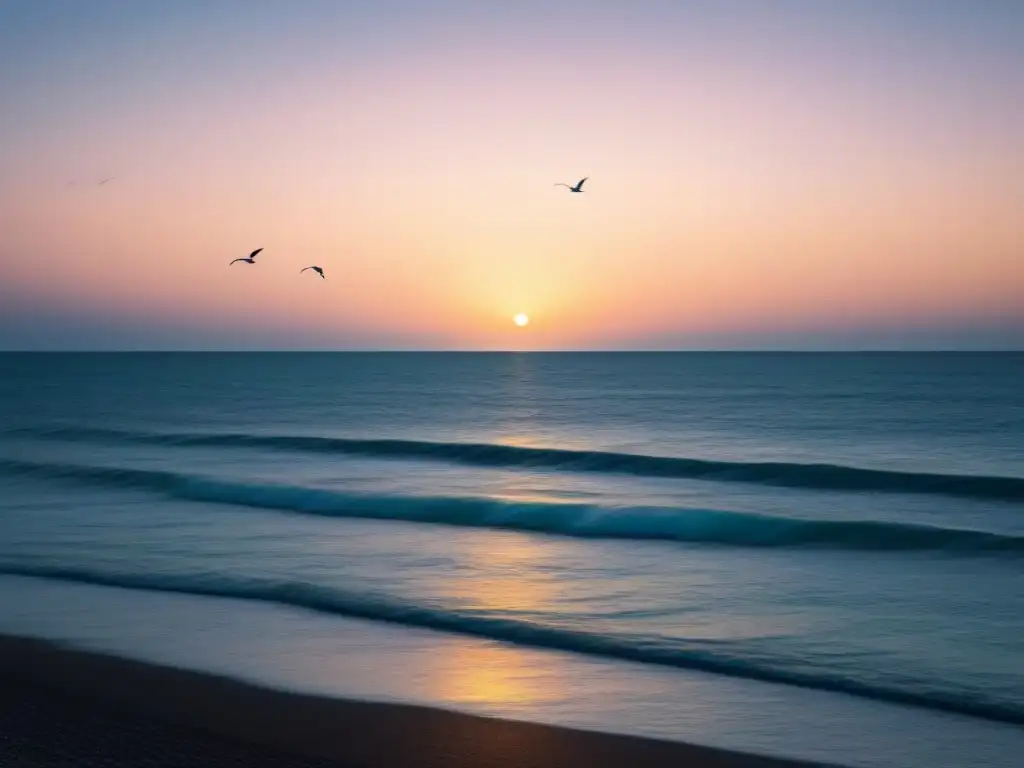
(689, 539)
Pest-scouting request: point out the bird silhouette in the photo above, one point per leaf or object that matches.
(251, 259)
(318, 270)
(577, 188)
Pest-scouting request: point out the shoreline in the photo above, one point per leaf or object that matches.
(208, 716)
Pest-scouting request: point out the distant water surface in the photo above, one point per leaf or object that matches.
(841, 522)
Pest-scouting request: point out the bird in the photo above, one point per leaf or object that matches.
(76, 182)
(577, 188)
(318, 270)
(251, 259)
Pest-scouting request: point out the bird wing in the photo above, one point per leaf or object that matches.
(560, 184)
(581, 182)
(236, 260)
(253, 254)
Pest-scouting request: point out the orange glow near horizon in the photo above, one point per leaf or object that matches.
(732, 190)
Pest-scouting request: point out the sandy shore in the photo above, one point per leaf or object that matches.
(61, 707)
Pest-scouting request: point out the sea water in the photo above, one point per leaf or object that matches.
(842, 524)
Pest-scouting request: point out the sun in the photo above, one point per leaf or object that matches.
(521, 319)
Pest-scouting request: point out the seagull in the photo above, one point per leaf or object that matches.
(251, 259)
(577, 188)
(318, 270)
(75, 183)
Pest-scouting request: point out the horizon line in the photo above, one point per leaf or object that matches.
(825, 351)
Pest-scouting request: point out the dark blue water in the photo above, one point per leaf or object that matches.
(843, 522)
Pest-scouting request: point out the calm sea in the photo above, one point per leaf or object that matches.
(848, 523)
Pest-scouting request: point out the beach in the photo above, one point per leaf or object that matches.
(511, 385)
(63, 707)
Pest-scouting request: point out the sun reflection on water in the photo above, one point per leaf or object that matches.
(508, 579)
(495, 676)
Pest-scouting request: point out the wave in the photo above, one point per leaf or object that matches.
(791, 475)
(698, 526)
(719, 657)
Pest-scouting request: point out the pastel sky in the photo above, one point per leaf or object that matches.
(763, 174)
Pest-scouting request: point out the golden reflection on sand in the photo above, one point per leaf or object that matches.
(496, 675)
(509, 580)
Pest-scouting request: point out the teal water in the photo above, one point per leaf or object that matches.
(850, 523)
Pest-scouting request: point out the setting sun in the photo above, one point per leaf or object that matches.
(521, 320)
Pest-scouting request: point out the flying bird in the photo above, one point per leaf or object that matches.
(251, 259)
(318, 270)
(76, 182)
(577, 188)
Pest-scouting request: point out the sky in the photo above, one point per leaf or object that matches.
(784, 174)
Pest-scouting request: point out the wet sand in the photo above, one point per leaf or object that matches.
(61, 707)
